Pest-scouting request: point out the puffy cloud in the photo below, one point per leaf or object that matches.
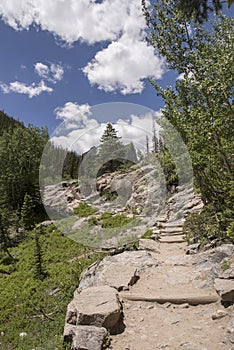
(80, 131)
(121, 66)
(21, 88)
(74, 112)
(73, 20)
(52, 73)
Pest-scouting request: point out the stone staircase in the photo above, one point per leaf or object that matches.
(157, 297)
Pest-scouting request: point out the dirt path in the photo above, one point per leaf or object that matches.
(171, 307)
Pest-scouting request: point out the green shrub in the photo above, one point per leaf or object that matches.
(147, 234)
(106, 215)
(110, 197)
(84, 210)
(230, 231)
(202, 227)
(134, 211)
(116, 221)
(93, 221)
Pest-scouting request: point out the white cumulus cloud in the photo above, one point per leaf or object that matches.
(122, 65)
(52, 73)
(81, 131)
(21, 88)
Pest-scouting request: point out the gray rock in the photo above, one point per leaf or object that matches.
(225, 288)
(148, 244)
(84, 337)
(95, 306)
(219, 314)
(46, 223)
(193, 248)
(104, 272)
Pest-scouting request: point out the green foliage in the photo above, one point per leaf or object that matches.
(168, 167)
(116, 221)
(147, 234)
(20, 154)
(199, 10)
(39, 272)
(27, 213)
(106, 215)
(225, 265)
(112, 151)
(93, 221)
(84, 210)
(5, 241)
(200, 107)
(109, 197)
(230, 232)
(202, 227)
(34, 306)
(134, 211)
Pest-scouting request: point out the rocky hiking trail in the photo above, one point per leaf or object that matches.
(165, 295)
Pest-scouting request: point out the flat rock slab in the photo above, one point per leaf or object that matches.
(84, 337)
(172, 239)
(120, 277)
(225, 288)
(149, 244)
(179, 299)
(107, 271)
(96, 306)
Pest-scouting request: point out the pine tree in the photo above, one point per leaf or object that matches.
(4, 236)
(155, 141)
(39, 272)
(27, 213)
(111, 150)
(147, 145)
(110, 142)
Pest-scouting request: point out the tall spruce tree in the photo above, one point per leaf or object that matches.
(4, 234)
(39, 272)
(111, 150)
(27, 213)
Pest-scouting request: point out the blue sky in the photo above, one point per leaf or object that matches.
(59, 57)
(46, 64)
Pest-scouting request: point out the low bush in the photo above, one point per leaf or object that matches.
(202, 227)
(116, 221)
(147, 234)
(84, 210)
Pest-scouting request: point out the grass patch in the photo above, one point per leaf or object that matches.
(84, 210)
(106, 215)
(116, 221)
(37, 307)
(148, 234)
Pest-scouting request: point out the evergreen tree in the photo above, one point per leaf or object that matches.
(110, 143)
(39, 272)
(111, 150)
(147, 145)
(155, 141)
(4, 235)
(27, 213)
(199, 10)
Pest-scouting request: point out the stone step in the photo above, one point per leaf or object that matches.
(171, 230)
(172, 224)
(171, 239)
(184, 299)
(166, 234)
